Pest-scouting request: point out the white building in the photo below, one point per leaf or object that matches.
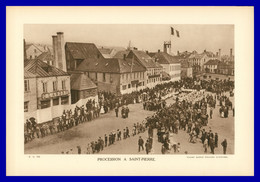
(46, 91)
(170, 65)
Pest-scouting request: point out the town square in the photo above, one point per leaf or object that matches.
(171, 97)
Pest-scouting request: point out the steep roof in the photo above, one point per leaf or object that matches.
(112, 65)
(80, 81)
(83, 50)
(212, 62)
(46, 56)
(42, 69)
(197, 56)
(164, 58)
(120, 54)
(28, 74)
(144, 59)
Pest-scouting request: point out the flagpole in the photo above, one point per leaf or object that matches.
(171, 40)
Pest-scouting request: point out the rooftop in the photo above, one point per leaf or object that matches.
(80, 81)
(41, 69)
(112, 65)
(212, 62)
(83, 50)
(144, 59)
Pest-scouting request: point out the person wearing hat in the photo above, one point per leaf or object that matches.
(126, 112)
(140, 144)
(116, 111)
(224, 145)
(147, 147)
(216, 140)
(79, 149)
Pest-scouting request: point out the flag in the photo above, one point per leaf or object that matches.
(177, 33)
(172, 31)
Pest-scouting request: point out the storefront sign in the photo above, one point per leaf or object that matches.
(54, 94)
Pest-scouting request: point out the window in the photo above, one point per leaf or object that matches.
(65, 100)
(44, 87)
(96, 76)
(54, 85)
(26, 86)
(63, 85)
(45, 104)
(55, 101)
(123, 87)
(123, 76)
(26, 108)
(104, 77)
(35, 51)
(129, 85)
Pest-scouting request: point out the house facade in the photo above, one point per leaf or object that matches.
(154, 71)
(49, 91)
(170, 65)
(116, 75)
(211, 66)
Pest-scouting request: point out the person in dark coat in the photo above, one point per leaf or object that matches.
(140, 144)
(116, 110)
(123, 112)
(105, 140)
(216, 140)
(126, 112)
(224, 145)
(147, 147)
(212, 145)
(127, 132)
(79, 149)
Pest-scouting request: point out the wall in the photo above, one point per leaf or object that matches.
(111, 83)
(126, 78)
(32, 52)
(49, 81)
(31, 97)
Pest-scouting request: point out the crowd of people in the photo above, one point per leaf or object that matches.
(68, 120)
(188, 113)
(101, 143)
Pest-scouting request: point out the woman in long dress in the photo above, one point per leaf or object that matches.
(102, 111)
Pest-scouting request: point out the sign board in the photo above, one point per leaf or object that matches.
(54, 94)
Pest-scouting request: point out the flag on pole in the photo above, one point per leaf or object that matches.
(172, 31)
(177, 33)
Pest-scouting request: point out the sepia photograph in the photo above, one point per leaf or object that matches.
(129, 89)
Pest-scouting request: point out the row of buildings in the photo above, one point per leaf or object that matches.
(71, 73)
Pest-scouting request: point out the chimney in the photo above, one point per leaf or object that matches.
(124, 56)
(146, 52)
(205, 51)
(61, 52)
(159, 51)
(178, 53)
(216, 54)
(55, 50)
(219, 54)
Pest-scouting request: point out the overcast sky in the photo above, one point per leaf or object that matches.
(144, 37)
